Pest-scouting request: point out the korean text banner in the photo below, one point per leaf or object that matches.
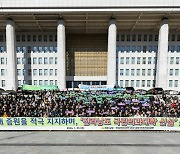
(90, 123)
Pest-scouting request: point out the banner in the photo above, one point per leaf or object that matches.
(95, 87)
(90, 123)
(36, 87)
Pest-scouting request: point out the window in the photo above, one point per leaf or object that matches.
(150, 37)
(148, 83)
(3, 84)
(133, 49)
(156, 37)
(178, 49)
(18, 38)
(46, 82)
(122, 49)
(40, 49)
(150, 49)
(45, 38)
(173, 37)
(128, 49)
(40, 82)
(2, 72)
(51, 49)
(144, 49)
(137, 83)
(19, 72)
(154, 72)
(1, 38)
(19, 82)
(56, 82)
(40, 60)
(139, 49)
(132, 72)
(127, 72)
(121, 72)
(24, 61)
(172, 60)
(127, 60)
(2, 60)
(51, 72)
(45, 72)
(34, 38)
(34, 49)
(29, 60)
(122, 60)
(55, 72)
(138, 60)
(133, 60)
(23, 49)
(50, 38)
(121, 83)
(51, 82)
(178, 37)
(2, 49)
(23, 38)
(176, 72)
(55, 60)
(132, 83)
(29, 49)
(126, 83)
(138, 72)
(18, 49)
(55, 49)
(176, 83)
(45, 49)
(149, 72)
(29, 72)
(143, 83)
(177, 60)
(40, 38)
(143, 72)
(170, 83)
(155, 48)
(171, 72)
(155, 60)
(34, 60)
(149, 60)
(139, 37)
(34, 72)
(45, 60)
(144, 60)
(29, 38)
(35, 82)
(128, 37)
(24, 72)
(145, 37)
(40, 72)
(154, 83)
(172, 48)
(18, 60)
(122, 37)
(51, 60)
(134, 37)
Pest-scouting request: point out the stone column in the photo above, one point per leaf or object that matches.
(162, 56)
(111, 64)
(11, 81)
(61, 49)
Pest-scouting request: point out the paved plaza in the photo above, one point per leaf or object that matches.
(90, 142)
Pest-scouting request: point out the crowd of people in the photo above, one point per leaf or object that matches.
(87, 104)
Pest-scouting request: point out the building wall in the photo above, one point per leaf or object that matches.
(142, 72)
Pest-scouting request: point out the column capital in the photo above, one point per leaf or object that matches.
(112, 21)
(10, 21)
(61, 21)
(164, 20)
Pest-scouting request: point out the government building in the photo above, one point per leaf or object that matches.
(129, 43)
